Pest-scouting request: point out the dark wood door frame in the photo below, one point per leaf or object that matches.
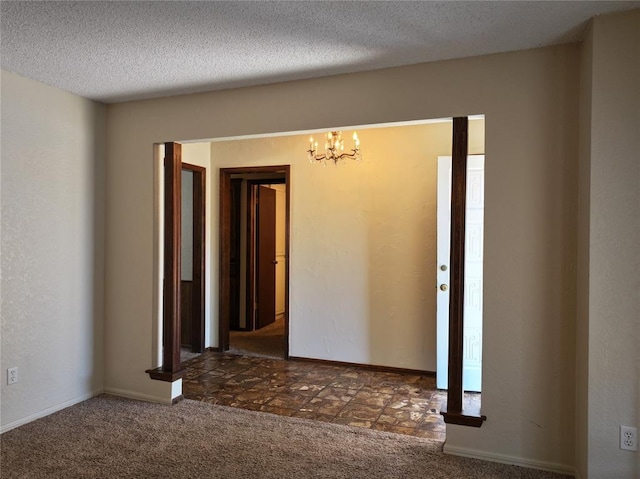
(199, 244)
(235, 270)
(225, 246)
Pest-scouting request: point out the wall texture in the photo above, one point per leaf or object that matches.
(613, 157)
(52, 205)
(582, 285)
(531, 105)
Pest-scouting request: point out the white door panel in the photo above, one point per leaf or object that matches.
(474, 237)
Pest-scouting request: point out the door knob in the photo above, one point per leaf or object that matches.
(275, 262)
(443, 267)
(443, 287)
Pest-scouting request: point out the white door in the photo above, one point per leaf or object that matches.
(474, 234)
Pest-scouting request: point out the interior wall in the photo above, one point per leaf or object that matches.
(531, 105)
(52, 205)
(614, 250)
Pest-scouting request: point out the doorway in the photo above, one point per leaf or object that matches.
(192, 269)
(254, 263)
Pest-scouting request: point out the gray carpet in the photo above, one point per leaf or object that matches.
(109, 437)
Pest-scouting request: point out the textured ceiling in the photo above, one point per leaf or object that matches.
(117, 50)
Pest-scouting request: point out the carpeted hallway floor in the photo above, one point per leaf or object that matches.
(267, 342)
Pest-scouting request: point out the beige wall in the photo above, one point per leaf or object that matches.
(582, 307)
(530, 101)
(52, 201)
(363, 243)
(612, 163)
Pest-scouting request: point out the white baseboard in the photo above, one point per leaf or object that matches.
(134, 395)
(47, 411)
(504, 459)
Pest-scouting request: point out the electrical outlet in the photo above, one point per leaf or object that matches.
(628, 438)
(12, 375)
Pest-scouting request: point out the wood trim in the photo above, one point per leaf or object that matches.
(247, 170)
(454, 412)
(250, 286)
(224, 260)
(160, 374)
(199, 253)
(463, 419)
(235, 267)
(172, 243)
(225, 248)
(456, 279)
(287, 249)
(370, 367)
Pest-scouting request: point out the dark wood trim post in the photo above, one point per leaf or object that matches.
(172, 258)
(454, 412)
(456, 282)
(287, 244)
(225, 260)
(171, 366)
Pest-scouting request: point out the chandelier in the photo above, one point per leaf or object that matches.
(334, 149)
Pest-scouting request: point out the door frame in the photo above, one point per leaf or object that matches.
(225, 246)
(199, 256)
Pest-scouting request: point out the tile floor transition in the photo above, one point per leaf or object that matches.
(394, 402)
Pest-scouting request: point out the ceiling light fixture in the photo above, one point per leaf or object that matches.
(334, 149)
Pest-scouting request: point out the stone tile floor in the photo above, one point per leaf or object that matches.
(394, 402)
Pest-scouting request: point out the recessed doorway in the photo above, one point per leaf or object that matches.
(192, 269)
(254, 263)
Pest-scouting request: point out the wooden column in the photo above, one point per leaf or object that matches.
(456, 295)
(171, 365)
(454, 413)
(172, 259)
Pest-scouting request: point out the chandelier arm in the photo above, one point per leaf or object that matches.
(353, 155)
(317, 157)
